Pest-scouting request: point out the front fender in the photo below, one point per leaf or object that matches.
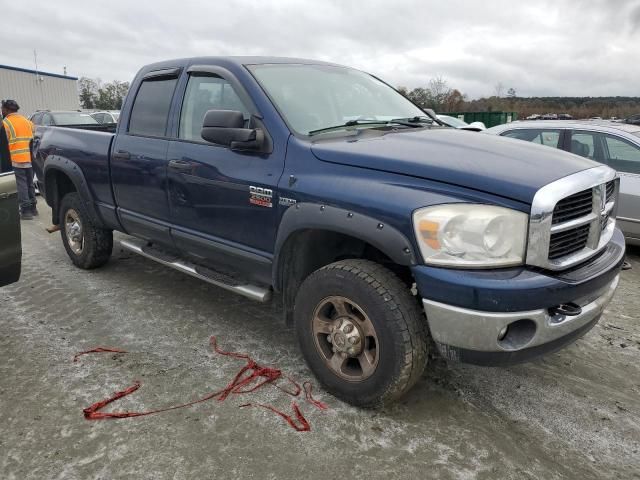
(303, 216)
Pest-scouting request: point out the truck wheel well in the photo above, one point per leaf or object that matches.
(57, 185)
(305, 251)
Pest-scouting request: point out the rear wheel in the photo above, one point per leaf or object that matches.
(87, 245)
(361, 332)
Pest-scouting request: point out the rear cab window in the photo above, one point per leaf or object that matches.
(547, 137)
(151, 106)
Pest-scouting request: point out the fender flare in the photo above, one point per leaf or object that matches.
(303, 216)
(55, 163)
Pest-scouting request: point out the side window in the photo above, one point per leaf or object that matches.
(37, 119)
(46, 119)
(206, 93)
(622, 155)
(584, 144)
(151, 107)
(550, 138)
(99, 117)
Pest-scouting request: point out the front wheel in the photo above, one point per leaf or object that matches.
(87, 245)
(361, 332)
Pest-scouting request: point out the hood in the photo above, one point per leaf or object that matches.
(502, 166)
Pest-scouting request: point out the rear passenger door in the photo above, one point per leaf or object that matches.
(139, 160)
(623, 156)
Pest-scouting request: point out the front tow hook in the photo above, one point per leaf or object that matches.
(626, 266)
(566, 309)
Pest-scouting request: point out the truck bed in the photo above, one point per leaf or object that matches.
(88, 146)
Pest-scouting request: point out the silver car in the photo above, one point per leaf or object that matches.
(614, 144)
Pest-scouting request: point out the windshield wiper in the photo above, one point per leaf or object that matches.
(350, 123)
(414, 122)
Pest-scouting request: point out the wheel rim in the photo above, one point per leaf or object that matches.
(345, 338)
(73, 230)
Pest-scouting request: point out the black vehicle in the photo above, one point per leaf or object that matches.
(62, 118)
(10, 243)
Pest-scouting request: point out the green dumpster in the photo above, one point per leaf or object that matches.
(490, 119)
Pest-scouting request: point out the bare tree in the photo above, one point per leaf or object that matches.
(439, 91)
(498, 89)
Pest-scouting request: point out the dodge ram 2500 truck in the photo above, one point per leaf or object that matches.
(377, 227)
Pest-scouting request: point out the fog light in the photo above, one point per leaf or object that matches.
(517, 334)
(503, 333)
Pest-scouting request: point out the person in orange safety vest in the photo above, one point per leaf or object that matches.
(19, 132)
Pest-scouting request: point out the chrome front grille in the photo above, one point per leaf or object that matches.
(568, 242)
(572, 218)
(574, 206)
(611, 188)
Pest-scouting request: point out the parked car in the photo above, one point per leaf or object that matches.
(325, 185)
(110, 116)
(614, 144)
(10, 240)
(633, 119)
(534, 116)
(549, 116)
(62, 118)
(461, 124)
(564, 116)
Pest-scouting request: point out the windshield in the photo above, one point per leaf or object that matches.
(73, 118)
(452, 121)
(315, 97)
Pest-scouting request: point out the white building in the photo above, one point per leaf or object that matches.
(38, 90)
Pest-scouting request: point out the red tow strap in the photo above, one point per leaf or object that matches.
(249, 379)
(97, 350)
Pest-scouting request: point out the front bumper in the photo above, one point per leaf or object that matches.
(468, 309)
(479, 337)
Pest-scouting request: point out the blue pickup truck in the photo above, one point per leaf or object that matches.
(383, 233)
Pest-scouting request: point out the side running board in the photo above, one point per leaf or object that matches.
(215, 278)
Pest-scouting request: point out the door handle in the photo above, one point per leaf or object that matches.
(181, 165)
(122, 155)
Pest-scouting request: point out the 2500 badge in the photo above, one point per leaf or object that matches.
(261, 196)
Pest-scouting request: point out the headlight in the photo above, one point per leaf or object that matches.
(471, 236)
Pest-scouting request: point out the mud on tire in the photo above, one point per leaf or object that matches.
(373, 294)
(94, 246)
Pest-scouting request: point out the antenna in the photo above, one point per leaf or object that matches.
(39, 79)
(35, 60)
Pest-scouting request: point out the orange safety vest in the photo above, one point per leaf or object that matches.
(19, 132)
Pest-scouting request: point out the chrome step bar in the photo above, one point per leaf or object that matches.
(253, 292)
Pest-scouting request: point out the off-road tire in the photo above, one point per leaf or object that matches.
(97, 242)
(399, 323)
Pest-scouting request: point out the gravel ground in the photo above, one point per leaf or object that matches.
(574, 414)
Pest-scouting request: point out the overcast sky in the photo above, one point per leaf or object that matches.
(556, 47)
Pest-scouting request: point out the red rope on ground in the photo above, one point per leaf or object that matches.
(241, 383)
(97, 350)
(307, 394)
(304, 425)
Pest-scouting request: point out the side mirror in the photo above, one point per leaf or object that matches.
(226, 127)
